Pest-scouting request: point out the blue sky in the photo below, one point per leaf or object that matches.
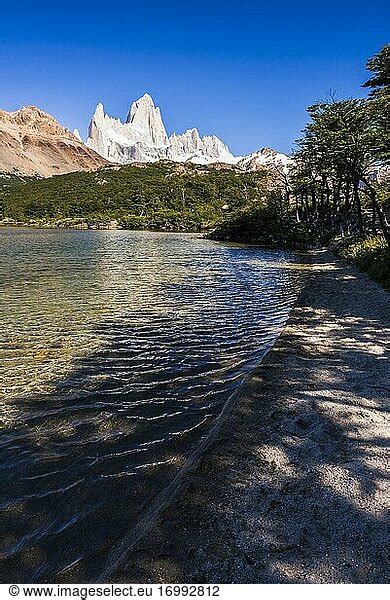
(243, 70)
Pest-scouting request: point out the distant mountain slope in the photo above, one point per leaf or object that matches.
(268, 158)
(34, 143)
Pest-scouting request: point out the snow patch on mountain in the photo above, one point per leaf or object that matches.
(190, 147)
(266, 157)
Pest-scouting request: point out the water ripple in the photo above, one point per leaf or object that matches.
(118, 352)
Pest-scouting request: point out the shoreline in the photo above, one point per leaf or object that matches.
(292, 489)
(53, 226)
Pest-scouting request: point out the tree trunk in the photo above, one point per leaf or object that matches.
(347, 206)
(373, 222)
(358, 205)
(371, 193)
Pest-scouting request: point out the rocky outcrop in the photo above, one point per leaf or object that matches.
(34, 143)
(190, 147)
(143, 138)
(266, 157)
(145, 120)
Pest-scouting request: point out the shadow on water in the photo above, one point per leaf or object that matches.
(293, 488)
(82, 462)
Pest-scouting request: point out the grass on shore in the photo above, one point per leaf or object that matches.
(370, 254)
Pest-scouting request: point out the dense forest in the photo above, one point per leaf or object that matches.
(164, 195)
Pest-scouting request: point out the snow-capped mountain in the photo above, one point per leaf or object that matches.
(190, 147)
(143, 138)
(33, 142)
(266, 157)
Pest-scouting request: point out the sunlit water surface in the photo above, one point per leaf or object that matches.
(118, 351)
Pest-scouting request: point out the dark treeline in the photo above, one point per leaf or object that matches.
(340, 159)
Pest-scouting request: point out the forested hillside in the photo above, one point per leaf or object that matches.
(161, 195)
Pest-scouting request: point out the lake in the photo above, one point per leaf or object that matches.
(118, 351)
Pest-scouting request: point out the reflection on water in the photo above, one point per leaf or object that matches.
(118, 350)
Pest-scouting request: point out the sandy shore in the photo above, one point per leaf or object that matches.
(293, 490)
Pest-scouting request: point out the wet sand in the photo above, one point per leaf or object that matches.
(293, 489)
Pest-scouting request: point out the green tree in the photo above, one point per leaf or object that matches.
(336, 156)
(379, 65)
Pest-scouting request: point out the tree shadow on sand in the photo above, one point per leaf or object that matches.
(293, 488)
(290, 491)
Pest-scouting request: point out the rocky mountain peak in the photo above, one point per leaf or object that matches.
(34, 142)
(146, 118)
(99, 111)
(146, 102)
(34, 120)
(143, 138)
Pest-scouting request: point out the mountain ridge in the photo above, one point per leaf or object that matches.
(33, 142)
(142, 137)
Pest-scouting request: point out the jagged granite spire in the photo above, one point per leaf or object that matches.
(143, 137)
(146, 118)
